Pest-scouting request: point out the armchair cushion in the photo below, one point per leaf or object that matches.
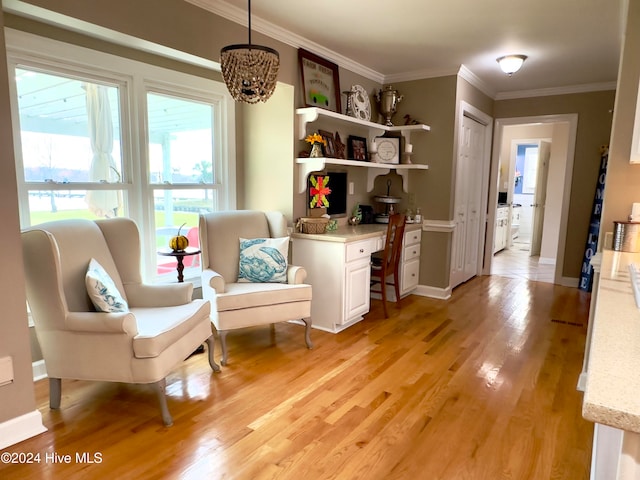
(244, 296)
(159, 328)
(103, 291)
(263, 260)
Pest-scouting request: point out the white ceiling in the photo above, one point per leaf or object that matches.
(572, 45)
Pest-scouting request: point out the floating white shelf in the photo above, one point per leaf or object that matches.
(307, 165)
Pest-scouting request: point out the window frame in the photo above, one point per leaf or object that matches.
(134, 79)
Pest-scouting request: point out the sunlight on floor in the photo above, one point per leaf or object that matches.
(516, 263)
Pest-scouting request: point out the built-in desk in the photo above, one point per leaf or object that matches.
(338, 268)
(612, 390)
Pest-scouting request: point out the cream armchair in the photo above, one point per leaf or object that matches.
(162, 326)
(235, 304)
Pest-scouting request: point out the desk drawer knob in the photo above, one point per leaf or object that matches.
(362, 250)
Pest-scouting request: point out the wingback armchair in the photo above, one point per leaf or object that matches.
(160, 328)
(236, 304)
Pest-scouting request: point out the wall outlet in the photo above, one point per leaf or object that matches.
(6, 371)
(351, 188)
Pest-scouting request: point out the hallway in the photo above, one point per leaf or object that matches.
(516, 263)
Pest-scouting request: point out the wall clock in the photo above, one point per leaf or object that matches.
(387, 150)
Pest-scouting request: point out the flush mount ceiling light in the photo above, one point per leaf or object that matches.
(250, 71)
(510, 64)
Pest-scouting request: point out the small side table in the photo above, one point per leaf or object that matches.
(179, 256)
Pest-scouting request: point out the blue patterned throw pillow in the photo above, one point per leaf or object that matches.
(103, 292)
(263, 260)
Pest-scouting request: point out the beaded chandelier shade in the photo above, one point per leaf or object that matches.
(250, 71)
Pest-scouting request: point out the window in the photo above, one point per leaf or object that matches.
(100, 136)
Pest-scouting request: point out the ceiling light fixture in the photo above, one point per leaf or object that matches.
(510, 64)
(250, 71)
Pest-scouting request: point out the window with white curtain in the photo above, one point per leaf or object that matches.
(98, 136)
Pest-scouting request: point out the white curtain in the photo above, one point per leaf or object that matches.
(103, 169)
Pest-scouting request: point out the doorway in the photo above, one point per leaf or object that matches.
(561, 130)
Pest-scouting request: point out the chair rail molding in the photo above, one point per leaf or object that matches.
(445, 226)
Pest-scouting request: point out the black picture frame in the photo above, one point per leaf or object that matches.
(320, 81)
(357, 148)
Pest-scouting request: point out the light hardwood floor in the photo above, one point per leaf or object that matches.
(482, 386)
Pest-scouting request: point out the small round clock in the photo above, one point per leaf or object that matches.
(388, 149)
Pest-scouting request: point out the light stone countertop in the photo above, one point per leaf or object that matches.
(348, 233)
(612, 392)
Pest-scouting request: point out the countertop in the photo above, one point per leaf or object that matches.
(349, 233)
(612, 391)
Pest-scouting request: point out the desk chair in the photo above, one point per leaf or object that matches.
(387, 263)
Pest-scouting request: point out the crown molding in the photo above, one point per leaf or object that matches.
(239, 15)
(420, 75)
(545, 92)
(474, 80)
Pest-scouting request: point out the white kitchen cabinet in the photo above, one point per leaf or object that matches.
(340, 274)
(410, 262)
(338, 266)
(501, 236)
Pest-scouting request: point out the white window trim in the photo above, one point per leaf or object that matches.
(136, 79)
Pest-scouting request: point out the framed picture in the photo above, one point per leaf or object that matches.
(320, 81)
(330, 148)
(357, 148)
(387, 150)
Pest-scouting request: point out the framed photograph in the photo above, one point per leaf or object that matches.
(320, 81)
(330, 148)
(387, 150)
(357, 148)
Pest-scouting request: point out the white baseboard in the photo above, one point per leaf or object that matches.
(20, 428)
(39, 370)
(433, 292)
(546, 261)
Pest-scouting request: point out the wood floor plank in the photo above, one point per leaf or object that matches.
(480, 386)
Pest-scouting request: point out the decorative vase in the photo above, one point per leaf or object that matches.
(316, 150)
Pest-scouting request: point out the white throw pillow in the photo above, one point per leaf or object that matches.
(263, 260)
(103, 292)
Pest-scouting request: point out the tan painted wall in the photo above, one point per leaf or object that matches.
(594, 127)
(622, 186)
(17, 398)
(433, 102)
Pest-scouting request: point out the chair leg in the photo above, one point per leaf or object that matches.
(162, 398)
(55, 393)
(383, 287)
(307, 332)
(223, 345)
(396, 284)
(210, 344)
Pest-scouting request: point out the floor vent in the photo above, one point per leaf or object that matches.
(573, 324)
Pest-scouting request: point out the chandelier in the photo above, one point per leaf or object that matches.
(250, 71)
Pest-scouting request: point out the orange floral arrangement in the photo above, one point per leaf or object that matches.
(315, 138)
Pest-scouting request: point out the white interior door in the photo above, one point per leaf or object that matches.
(540, 196)
(466, 236)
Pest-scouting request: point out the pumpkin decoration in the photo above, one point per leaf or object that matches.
(179, 242)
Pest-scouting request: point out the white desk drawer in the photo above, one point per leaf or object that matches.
(359, 250)
(411, 251)
(412, 237)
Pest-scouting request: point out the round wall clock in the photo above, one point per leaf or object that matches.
(388, 149)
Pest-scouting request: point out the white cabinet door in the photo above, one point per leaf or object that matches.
(357, 279)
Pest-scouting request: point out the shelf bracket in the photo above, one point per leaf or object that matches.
(309, 115)
(372, 173)
(304, 169)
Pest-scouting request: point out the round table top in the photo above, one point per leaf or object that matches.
(167, 252)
